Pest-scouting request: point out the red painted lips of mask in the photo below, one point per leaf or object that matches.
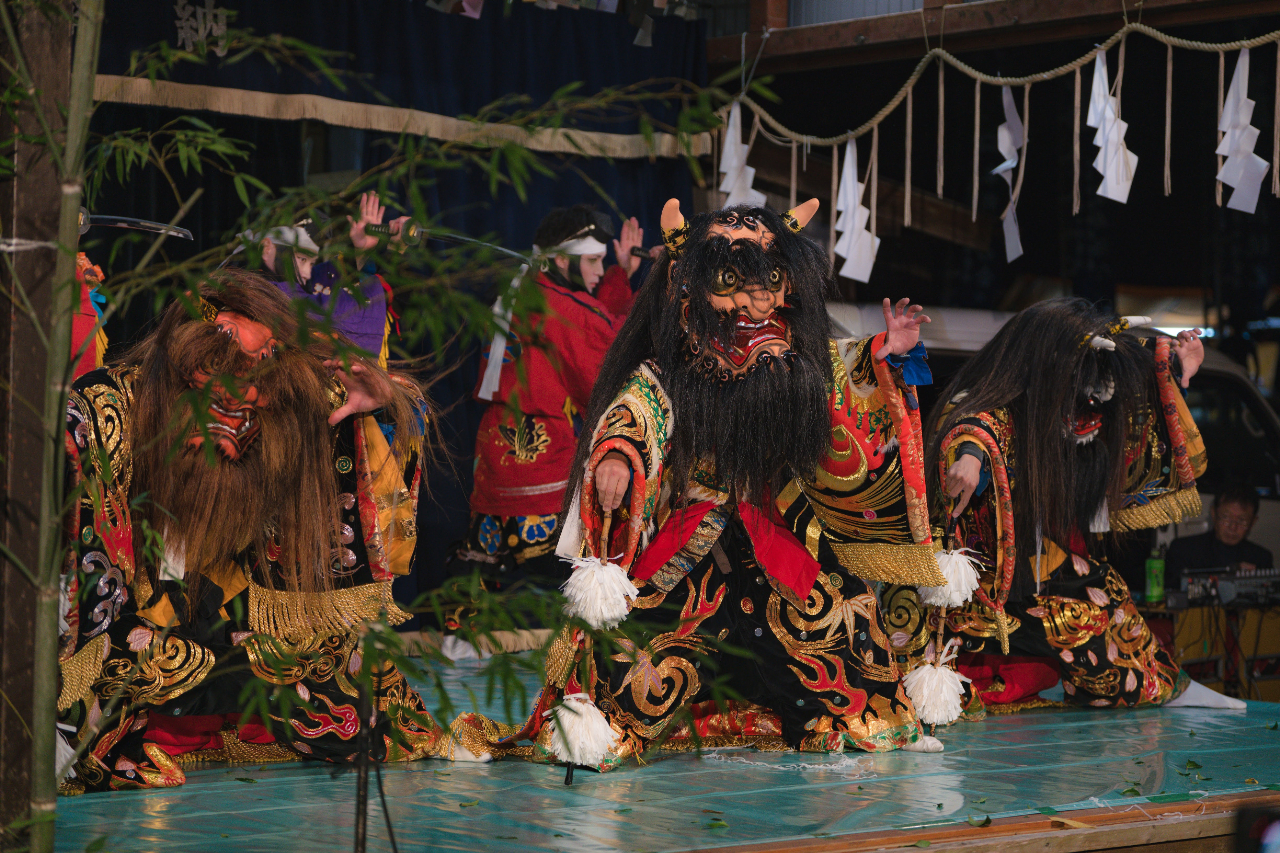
(232, 423)
(753, 341)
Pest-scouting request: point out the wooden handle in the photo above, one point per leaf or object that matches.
(604, 533)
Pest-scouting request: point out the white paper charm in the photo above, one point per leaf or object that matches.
(1115, 162)
(1008, 141)
(855, 243)
(733, 163)
(1243, 170)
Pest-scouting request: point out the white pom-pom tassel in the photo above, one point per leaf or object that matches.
(579, 732)
(961, 573)
(599, 593)
(935, 689)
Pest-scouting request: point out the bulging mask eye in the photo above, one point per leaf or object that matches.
(726, 282)
(775, 279)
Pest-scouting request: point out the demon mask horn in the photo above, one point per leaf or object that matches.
(798, 217)
(675, 230)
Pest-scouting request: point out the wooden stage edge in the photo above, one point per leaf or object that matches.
(1207, 825)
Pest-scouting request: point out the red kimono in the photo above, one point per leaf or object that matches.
(526, 441)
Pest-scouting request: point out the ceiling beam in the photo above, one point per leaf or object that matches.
(980, 25)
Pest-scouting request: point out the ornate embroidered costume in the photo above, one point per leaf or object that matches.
(1131, 456)
(158, 644)
(726, 547)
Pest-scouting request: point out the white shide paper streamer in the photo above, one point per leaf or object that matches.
(855, 244)
(1243, 170)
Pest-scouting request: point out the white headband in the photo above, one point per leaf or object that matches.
(284, 235)
(581, 246)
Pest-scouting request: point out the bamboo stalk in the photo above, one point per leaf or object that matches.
(44, 694)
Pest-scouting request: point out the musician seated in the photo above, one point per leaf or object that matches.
(1235, 509)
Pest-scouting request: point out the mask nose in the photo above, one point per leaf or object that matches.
(757, 302)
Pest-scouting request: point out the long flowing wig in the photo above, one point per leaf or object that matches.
(1041, 368)
(281, 496)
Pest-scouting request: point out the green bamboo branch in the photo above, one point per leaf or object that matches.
(177, 217)
(16, 712)
(44, 693)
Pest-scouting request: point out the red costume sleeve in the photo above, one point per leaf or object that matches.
(580, 337)
(614, 291)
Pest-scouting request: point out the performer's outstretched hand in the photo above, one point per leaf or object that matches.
(371, 213)
(613, 476)
(962, 481)
(367, 390)
(1190, 352)
(903, 325)
(632, 235)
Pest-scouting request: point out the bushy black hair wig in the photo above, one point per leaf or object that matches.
(758, 430)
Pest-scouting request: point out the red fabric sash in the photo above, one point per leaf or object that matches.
(1023, 677)
(671, 538)
(778, 551)
(179, 735)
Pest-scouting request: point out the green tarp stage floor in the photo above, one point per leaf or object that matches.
(1004, 766)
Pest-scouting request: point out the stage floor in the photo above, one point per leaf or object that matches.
(1046, 761)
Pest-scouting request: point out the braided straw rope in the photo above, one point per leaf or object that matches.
(941, 55)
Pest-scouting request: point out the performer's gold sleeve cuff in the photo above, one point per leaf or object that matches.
(1169, 508)
(954, 447)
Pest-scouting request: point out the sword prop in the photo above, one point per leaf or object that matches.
(88, 220)
(412, 234)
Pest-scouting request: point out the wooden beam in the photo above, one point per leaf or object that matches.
(1203, 825)
(980, 25)
(30, 212)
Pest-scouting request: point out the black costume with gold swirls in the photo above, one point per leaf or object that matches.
(1065, 603)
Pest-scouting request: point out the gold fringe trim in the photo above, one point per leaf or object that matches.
(296, 616)
(1024, 705)
(898, 564)
(1169, 508)
(244, 102)
(763, 743)
(80, 671)
(236, 751)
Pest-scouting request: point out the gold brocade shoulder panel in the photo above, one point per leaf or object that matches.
(1166, 453)
(857, 501)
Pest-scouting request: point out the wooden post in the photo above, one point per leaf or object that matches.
(30, 211)
(767, 13)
